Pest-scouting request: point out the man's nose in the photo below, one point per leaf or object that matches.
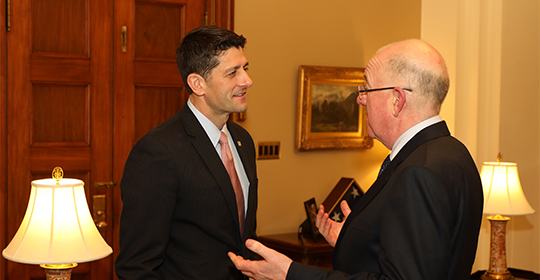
(247, 82)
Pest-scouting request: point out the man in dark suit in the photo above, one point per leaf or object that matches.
(181, 213)
(421, 217)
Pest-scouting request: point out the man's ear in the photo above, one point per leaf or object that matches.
(197, 83)
(400, 98)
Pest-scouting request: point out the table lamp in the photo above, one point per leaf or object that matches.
(57, 230)
(502, 196)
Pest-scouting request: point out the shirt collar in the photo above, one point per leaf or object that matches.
(210, 128)
(411, 132)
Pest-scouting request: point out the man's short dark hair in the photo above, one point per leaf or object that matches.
(199, 51)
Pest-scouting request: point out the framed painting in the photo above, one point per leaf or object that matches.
(327, 114)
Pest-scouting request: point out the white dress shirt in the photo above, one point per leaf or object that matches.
(213, 133)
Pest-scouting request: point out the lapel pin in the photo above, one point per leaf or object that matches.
(239, 143)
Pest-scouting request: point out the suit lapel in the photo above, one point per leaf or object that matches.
(209, 156)
(431, 132)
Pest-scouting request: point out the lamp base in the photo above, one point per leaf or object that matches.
(497, 260)
(58, 271)
(498, 276)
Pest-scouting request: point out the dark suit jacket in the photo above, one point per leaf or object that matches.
(179, 218)
(419, 221)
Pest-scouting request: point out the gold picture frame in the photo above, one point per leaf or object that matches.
(327, 115)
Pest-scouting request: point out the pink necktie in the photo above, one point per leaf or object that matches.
(227, 158)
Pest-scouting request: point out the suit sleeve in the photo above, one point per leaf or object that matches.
(148, 191)
(415, 232)
(299, 271)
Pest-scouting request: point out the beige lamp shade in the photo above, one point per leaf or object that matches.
(57, 227)
(502, 190)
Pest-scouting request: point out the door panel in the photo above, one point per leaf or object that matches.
(60, 114)
(51, 34)
(154, 104)
(158, 29)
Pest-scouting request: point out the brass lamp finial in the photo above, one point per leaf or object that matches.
(499, 158)
(58, 174)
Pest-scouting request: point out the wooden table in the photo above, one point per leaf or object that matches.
(301, 249)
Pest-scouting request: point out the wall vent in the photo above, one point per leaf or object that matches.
(268, 150)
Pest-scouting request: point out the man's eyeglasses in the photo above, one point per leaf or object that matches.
(362, 88)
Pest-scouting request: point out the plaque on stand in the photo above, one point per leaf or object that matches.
(311, 212)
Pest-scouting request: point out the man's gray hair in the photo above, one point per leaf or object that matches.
(433, 86)
(430, 84)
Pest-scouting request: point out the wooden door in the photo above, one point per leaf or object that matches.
(75, 99)
(59, 100)
(148, 88)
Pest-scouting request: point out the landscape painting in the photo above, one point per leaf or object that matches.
(334, 108)
(327, 115)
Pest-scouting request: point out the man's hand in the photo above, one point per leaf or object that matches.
(273, 266)
(329, 228)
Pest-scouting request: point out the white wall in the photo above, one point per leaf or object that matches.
(492, 48)
(283, 35)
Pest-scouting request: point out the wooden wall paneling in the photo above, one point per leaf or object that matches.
(153, 105)
(156, 72)
(60, 114)
(157, 32)
(43, 159)
(60, 26)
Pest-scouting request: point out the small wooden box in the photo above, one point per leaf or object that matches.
(346, 189)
